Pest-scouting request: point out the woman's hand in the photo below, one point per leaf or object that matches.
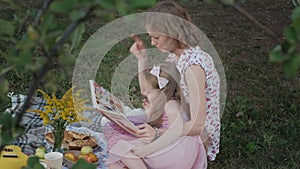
(141, 150)
(146, 132)
(138, 47)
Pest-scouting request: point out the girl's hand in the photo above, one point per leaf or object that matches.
(138, 47)
(146, 104)
(141, 151)
(146, 132)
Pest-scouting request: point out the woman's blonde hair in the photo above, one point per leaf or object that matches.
(161, 20)
(170, 91)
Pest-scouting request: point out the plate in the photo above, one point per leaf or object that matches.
(74, 140)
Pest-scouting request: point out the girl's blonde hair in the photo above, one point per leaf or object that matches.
(179, 27)
(170, 91)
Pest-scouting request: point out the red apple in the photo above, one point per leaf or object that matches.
(88, 159)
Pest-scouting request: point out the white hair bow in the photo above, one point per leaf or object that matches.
(162, 82)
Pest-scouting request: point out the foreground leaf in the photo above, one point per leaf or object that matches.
(6, 27)
(82, 164)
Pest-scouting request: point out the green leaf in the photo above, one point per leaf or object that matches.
(63, 6)
(276, 55)
(25, 57)
(291, 49)
(10, 39)
(7, 27)
(7, 122)
(38, 62)
(50, 38)
(28, 42)
(82, 164)
(251, 147)
(142, 4)
(88, 3)
(32, 161)
(22, 60)
(13, 4)
(77, 36)
(76, 15)
(290, 34)
(296, 14)
(107, 3)
(296, 25)
(66, 59)
(105, 16)
(122, 7)
(49, 24)
(4, 85)
(228, 2)
(17, 130)
(291, 67)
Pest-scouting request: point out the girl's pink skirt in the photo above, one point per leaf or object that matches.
(187, 152)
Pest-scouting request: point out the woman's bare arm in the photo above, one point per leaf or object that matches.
(139, 50)
(195, 79)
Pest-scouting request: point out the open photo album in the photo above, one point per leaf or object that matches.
(110, 107)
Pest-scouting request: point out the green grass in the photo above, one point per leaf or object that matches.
(259, 138)
(261, 122)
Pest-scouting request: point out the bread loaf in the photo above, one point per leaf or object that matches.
(73, 140)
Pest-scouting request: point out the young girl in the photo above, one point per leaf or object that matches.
(163, 112)
(171, 31)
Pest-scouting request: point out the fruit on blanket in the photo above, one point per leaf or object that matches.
(70, 156)
(86, 150)
(93, 157)
(40, 152)
(88, 158)
(81, 156)
(42, 149)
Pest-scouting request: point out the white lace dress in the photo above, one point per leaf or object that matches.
(196, 56)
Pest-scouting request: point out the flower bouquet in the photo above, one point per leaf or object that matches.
(59, 113)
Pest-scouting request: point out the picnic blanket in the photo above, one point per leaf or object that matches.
(34, 135)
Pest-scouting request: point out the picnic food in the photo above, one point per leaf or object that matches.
(40, 152)
(86, 150)
(74, 155)
(70, 156)
(74, 141)
(91, 158)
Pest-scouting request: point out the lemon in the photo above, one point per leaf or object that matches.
(86, 150)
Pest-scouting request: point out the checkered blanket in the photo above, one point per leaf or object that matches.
(35, 131)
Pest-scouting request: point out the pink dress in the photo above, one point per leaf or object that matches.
(113, 133)
(196, 56)
(179, 155)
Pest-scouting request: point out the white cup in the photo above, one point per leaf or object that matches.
(54, 160)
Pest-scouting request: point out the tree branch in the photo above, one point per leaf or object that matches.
(53, 53)
(253, 20)
(44, 7)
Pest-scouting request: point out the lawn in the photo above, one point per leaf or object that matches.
(261, 121)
